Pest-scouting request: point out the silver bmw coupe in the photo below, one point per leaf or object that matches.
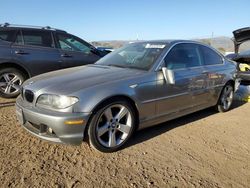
(134, 87)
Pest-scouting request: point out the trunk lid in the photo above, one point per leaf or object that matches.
(241, 35)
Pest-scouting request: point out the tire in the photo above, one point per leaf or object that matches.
(11, 80)
(226, 98)
(111, 126)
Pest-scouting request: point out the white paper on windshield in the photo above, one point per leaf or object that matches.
(155, 46)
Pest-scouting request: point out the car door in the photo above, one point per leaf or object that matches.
(189, 88)
(74, 51)
(215, 72)
(36, 50)
(6, 39)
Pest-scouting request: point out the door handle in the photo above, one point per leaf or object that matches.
(21, 52)
(66, 55)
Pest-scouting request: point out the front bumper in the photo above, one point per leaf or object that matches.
(50, 125)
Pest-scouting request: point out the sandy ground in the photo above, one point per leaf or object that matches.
(204, 149)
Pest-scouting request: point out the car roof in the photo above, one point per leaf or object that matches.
(176, 41)
(8, 26)
(170, 41)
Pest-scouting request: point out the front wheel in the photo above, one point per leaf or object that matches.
(226, 98)
(111, 126)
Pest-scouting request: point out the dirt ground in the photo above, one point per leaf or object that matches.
(204, 149)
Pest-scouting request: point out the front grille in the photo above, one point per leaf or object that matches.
(29, 96)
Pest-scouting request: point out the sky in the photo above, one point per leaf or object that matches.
(98, 20)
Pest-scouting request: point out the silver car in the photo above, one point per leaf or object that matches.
(137, 86)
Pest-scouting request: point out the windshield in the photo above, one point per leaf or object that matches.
(135, 55)
(71, 43)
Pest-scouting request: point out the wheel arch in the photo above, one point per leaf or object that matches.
(17, 66)
(231, 82)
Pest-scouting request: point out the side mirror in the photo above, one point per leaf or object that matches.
(168, 75)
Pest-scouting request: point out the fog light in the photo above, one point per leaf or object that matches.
(74, 122)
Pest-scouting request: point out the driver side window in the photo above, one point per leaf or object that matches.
(70, 43)
(183, 56)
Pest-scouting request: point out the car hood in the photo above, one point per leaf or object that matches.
(71, 80)
(241, 35)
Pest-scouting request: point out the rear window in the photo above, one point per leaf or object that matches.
(35, 38)
(210, 57)
(7, 35)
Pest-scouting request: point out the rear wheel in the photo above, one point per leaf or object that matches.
(11, 80)
(111, 126)
(226, 99)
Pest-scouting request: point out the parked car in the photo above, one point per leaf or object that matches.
(242, 58)
(137, 86)
(26, 51)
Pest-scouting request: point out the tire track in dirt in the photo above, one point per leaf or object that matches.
(7, 104)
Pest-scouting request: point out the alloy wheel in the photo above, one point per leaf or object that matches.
(10, 83)
(227, 97)
(114, 125)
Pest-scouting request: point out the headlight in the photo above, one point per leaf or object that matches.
(55, 101)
